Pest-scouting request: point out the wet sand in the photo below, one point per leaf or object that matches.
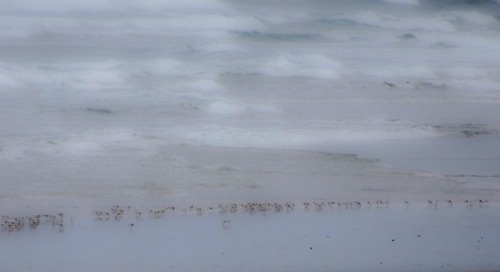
(289, 236)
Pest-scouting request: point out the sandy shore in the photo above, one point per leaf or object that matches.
(199, 174)
(192, 208)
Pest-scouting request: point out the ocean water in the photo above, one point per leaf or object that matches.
(103, 88)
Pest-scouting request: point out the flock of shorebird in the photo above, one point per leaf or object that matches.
(117, 212)
(11, 224)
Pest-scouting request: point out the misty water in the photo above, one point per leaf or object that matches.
(199, 102)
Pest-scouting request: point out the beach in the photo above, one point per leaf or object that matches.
(227, 135)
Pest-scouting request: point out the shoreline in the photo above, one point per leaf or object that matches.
(115, 212)
(388, 237)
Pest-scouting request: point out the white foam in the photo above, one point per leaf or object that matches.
(473, 81)
(302, 64)
(225, 107)
(6, 81)
(211, 22)
(82, 74)
(221, 45)
(474, 17)
(391, 21)
(158, 67)
(230, 107)
(76, 145)
(419, 72)
(208, 85)
(296, 138)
